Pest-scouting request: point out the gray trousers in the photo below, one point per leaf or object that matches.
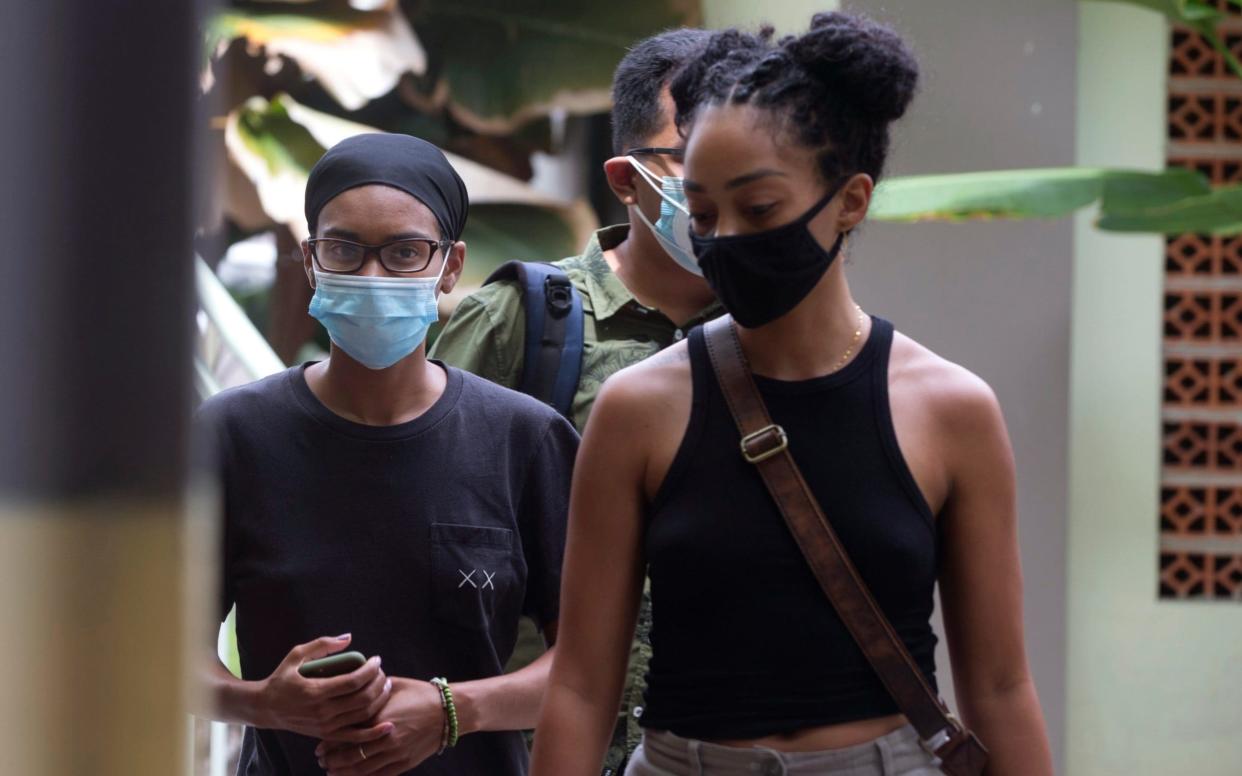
(664, 754)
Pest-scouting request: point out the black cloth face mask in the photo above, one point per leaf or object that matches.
(761, 276)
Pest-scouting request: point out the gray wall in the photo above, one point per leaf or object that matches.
(998, 91)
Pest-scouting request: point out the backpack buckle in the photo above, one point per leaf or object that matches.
(559, 293)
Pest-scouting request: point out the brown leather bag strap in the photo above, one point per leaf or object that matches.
(765, 445)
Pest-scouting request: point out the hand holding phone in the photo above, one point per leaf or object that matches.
(318, 690)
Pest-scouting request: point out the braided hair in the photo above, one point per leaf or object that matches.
(835, 88)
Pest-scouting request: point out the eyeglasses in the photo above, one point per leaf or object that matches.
(670, 162)
(678, 154)
(412, 254)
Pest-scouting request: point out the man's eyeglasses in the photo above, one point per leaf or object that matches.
(412, 254)
(670, 160)
(677, 154)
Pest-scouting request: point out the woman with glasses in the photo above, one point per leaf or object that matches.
(411, 507)
(752, 669)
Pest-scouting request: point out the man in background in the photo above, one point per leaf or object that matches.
(639, 285)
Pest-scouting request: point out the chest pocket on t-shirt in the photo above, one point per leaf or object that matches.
(473, 575)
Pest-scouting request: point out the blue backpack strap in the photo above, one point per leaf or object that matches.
(554, 332)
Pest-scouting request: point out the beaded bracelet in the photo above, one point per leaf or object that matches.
(449, 737)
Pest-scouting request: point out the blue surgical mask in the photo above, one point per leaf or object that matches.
(376, 320)
(672, 230)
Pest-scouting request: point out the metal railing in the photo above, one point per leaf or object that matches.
(229, 351)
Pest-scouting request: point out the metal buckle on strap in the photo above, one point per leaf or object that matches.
(773, 432)
(933, 744)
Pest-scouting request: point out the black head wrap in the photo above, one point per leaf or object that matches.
(407, 163)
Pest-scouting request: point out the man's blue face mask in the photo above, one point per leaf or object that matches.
(376, 320)
(672, 229)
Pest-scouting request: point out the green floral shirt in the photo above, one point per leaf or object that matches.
(486, 336)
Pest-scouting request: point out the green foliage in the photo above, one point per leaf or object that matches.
(1196, 14)
(499, 233)
(474, 76)
(356, 56)
(526, 57)
(1127, 198)
(1217, 212)
(262, 26)
(270, 134)
(277, 141)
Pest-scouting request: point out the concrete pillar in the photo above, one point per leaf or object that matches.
(95, 330)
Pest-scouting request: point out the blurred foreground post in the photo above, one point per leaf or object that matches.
(96, 127)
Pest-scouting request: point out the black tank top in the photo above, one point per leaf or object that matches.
(744, 643)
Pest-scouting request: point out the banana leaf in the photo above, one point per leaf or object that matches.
(499, 233)
(1218, 212)
(356, 55)
(502, 62)
(275, 154)
(498, 63)
(1126, 197)
(275, 143)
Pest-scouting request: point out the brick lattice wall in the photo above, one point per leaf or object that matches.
(1201, 488)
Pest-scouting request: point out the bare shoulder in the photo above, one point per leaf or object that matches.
(652, 382)
(676, 356)
(641, 413)
(959, 400)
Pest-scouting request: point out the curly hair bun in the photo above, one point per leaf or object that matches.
(860, 60)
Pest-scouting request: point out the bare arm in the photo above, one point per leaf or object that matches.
(601, 588)
(981, 587)
(229, 699)
(506, 702)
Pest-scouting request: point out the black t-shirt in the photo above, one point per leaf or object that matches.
(425, 540)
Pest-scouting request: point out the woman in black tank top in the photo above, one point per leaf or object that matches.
(752, 669)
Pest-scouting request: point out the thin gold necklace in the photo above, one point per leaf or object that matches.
(854, 342)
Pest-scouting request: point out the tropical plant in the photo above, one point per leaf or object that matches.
(1168, 202)
(274, 143)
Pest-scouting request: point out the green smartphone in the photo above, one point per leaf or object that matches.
(332, 665)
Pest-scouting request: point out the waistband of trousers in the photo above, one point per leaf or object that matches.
(714, 758)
